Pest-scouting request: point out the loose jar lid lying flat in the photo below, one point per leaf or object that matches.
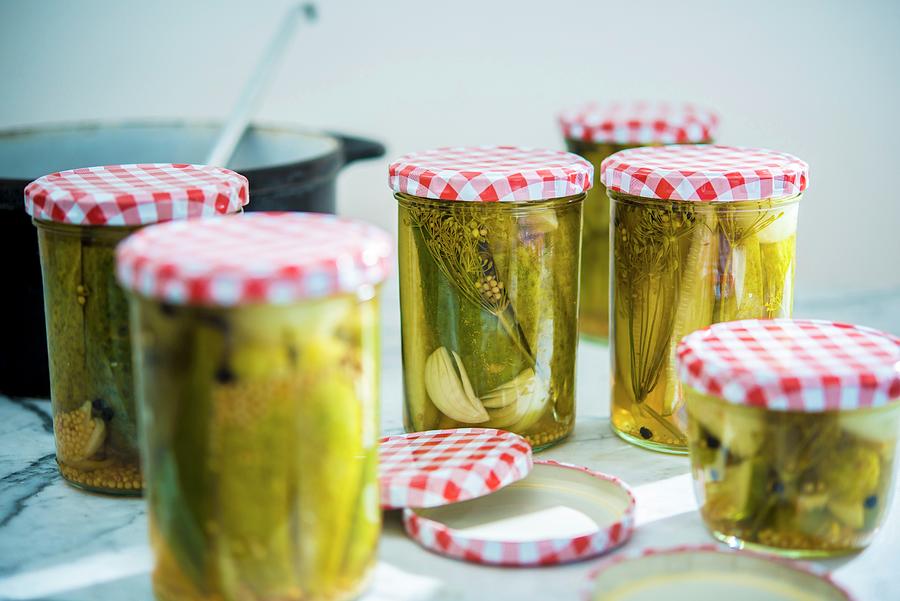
(127, 195)
(273, 258)
(638, 123)
(707, 572)
(490, 174)
(704, 172)
(792, 365)
(437, 467)
(558, 513)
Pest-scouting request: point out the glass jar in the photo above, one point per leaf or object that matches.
(793, 429)
(256, 344)
(489, 257)
(690, 249)
(81, 215)
(596, 131)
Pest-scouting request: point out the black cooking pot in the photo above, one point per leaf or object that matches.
(289, 170)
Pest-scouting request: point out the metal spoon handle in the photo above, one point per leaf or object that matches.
(233, 129)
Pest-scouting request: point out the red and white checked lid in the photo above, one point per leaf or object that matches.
(273, 258)
(558, 514)
(792, 365)
(127, 195)
(438, 467)
(704, 172)
(490, 174)
(639, 123)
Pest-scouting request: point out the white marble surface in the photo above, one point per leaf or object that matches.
(60, 544)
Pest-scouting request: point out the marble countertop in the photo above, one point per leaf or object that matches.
(61, 544)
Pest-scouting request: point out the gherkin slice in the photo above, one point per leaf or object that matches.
(696, 299)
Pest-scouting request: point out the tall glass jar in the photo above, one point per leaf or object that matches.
(256, 349)
(793, 429)
(596, 131)
(489, 249)
(81, 215)
(700, 234)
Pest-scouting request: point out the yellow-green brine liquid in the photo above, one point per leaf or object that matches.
(489, 306)
(679, 266)
(89, 347)
(260, 427)
(794, 483)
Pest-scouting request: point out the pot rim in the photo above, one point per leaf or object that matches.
(334, 148)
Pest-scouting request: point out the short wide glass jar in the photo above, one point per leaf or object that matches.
(596, 131)
(793, 429)
(489, 244)
(81, 215)
(700, 234)
(256, 345)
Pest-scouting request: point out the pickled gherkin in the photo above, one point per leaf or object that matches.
(679, 266)
(261, 426)
(798, 483)
(94, 417)
(489, 300)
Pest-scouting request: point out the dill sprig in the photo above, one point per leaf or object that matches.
(457, 241)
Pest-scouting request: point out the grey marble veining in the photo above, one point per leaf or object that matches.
(62, 544)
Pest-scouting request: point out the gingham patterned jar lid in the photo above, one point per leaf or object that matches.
(129, 195)
(792, 365)
(639, 123)
(490, 174)
(274, 258)
(704, 172)
(439, 467)
(558, 514)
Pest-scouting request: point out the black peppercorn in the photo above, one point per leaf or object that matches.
(871, 501)
(712, 442)
(646, 433)
(224, 375)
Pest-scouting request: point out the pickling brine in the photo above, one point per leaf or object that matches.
(679, 267)
(792, 428)
(489, 305)
(80, 216)
(798, 483)
(91, 383)
(700, 234)
(256, 351)
(489, 242)
(270, 414)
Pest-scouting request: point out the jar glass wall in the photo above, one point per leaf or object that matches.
(94, 419)
(593, 308)
(797, 483)
(679, 266)
(260, 427)
(489, 303)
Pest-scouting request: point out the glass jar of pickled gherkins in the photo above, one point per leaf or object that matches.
(257, 378)
(793, 429)
(489, 249)
(80, 216)
(700, 234)
(596, 131)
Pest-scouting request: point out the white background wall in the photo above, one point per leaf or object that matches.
(819, 79)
